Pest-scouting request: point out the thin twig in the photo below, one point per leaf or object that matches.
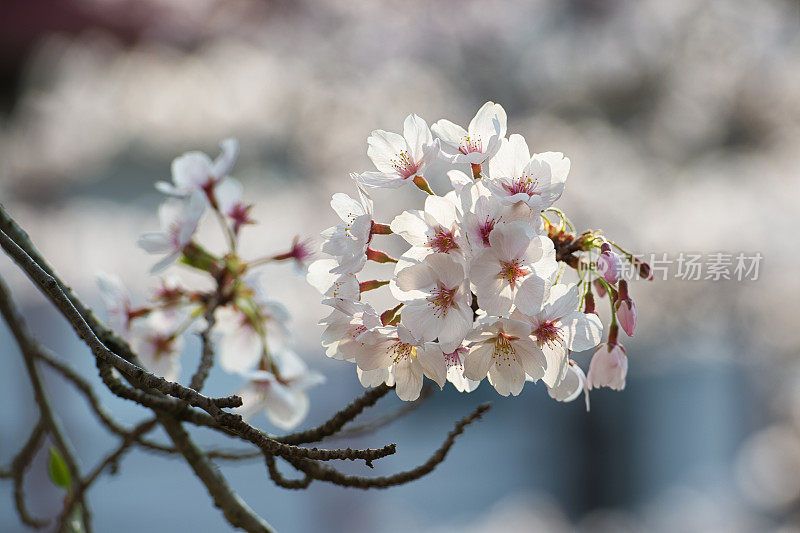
(105, 418)
(235, 510)
(281, 481)
(29, 349)
(173, 405)
(383, 421)
(207, 353)
(143, 379)
(325, 473)
(82, 485)
(335, 423)
(18, 467)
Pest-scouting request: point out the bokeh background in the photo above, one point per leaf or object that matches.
(682, 120)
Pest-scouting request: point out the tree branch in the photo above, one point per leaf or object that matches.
(235, 510)
(325, 473)
(29, 349)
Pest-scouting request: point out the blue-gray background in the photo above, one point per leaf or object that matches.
(682, 120)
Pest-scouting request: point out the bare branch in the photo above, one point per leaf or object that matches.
(142, 378)
(385, 420)
(325, 473)
(207, 354)
(18, 467)
(81, 486)
(335, 423)
(29, 349)
(173, 404)
(281, 481)
(235, 510)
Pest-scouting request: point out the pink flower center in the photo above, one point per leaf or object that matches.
(355, 331)
(301, 250)
(485, 228)
(454, 358)
(162, 345)
(441, 299)
(522, 185)
(548, 333)
(504, 352)
(401, 351)
(512, 271)
(174, 232)
(240, 215)
(443, 241)
(470, 144)
(404, 164)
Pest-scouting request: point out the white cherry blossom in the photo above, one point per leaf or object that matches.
(179, 220)
(479, 141)
(504, 350)
(608, 367)
(282, 397)
(515, 176)
(344, 325)
(373, 378)
(569, 388)
(436, 229)
(410, 358)
(483, 211)
(117, 301)
(513, 269)
(455, 370)
(195, 171)
(228, 194)
(400, 158)
(445, 310)
(332, 285)
(158, 349)
(348, 241)
(253, 328)
(561, 327)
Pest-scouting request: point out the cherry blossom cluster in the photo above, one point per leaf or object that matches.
(249, 329)
(495, 283)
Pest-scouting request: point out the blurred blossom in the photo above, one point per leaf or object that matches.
(768, 465)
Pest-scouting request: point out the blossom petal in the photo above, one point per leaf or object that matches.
(418, 136)
(409, 380)
(478, 361)
(411, 226)
(432, 360)
(582, 331)
(383, 148)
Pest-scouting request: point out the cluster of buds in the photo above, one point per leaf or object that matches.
(249, 329)
(495, 283)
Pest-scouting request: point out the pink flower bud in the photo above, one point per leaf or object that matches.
(625, 309)
(645, 272)
(608, 264)
(609, 367)
(599, 288)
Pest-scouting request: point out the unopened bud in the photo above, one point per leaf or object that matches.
(600, 288)
(609, 264)
(625, 309)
